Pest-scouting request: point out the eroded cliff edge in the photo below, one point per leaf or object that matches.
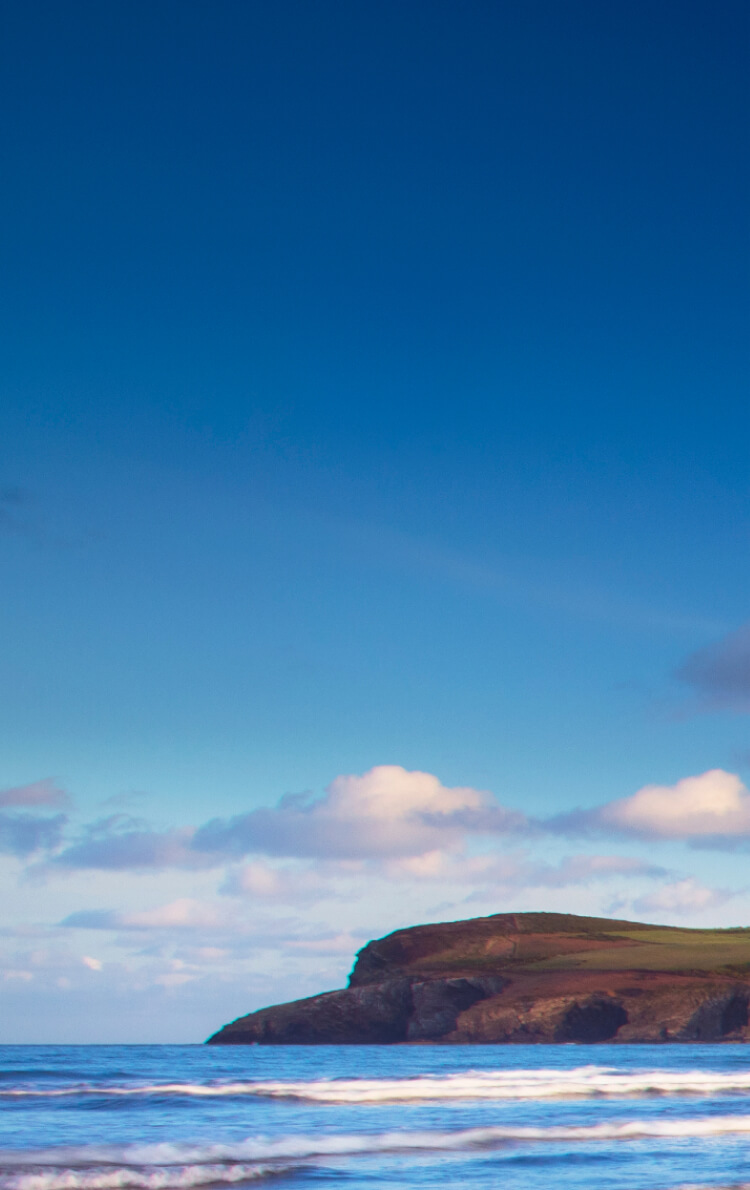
(524, 977)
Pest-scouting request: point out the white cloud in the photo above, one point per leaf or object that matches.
(184, 913)
(713, 803)
(119, 843)
(266, 883)
(389, 792)
(48, 965)
(173, 979)
(387, 811)
(582, 869)
(517, 871)
(683, 897)
(212, 925)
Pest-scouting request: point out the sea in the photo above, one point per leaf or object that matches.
(154, 1117)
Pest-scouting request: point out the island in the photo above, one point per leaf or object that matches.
(524, 977)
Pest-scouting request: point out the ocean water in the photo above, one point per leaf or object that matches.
(371, 1117)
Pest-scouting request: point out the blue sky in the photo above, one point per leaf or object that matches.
(374, 404)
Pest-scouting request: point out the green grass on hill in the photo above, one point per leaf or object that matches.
(560, 942)
(661, 949)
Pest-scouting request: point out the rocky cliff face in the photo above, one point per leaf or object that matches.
(389, 1011)
(525, 978)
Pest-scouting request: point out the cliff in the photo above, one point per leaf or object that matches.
(525, 977)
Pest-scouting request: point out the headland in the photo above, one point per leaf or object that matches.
(525, 977)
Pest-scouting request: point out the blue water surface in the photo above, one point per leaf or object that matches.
(163, 1117)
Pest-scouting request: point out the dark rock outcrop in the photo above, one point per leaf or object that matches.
(357, 1016)
(393, 1010)
(438, 1003)
(527, 977)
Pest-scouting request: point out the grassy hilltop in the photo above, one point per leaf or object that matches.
(551, 942)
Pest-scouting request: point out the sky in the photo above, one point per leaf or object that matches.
(374, 484)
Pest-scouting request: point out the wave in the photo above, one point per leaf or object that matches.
(583, 1082)
(169, 1177)
(163, 1164)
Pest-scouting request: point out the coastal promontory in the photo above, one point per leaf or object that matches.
(525, 977)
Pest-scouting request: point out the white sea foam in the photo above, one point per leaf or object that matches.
(165, 1164)
(583, 1082)
(165, 1177)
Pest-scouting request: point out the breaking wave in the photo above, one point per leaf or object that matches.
(165, 1165)
(583, 1082)
(169, 1177)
